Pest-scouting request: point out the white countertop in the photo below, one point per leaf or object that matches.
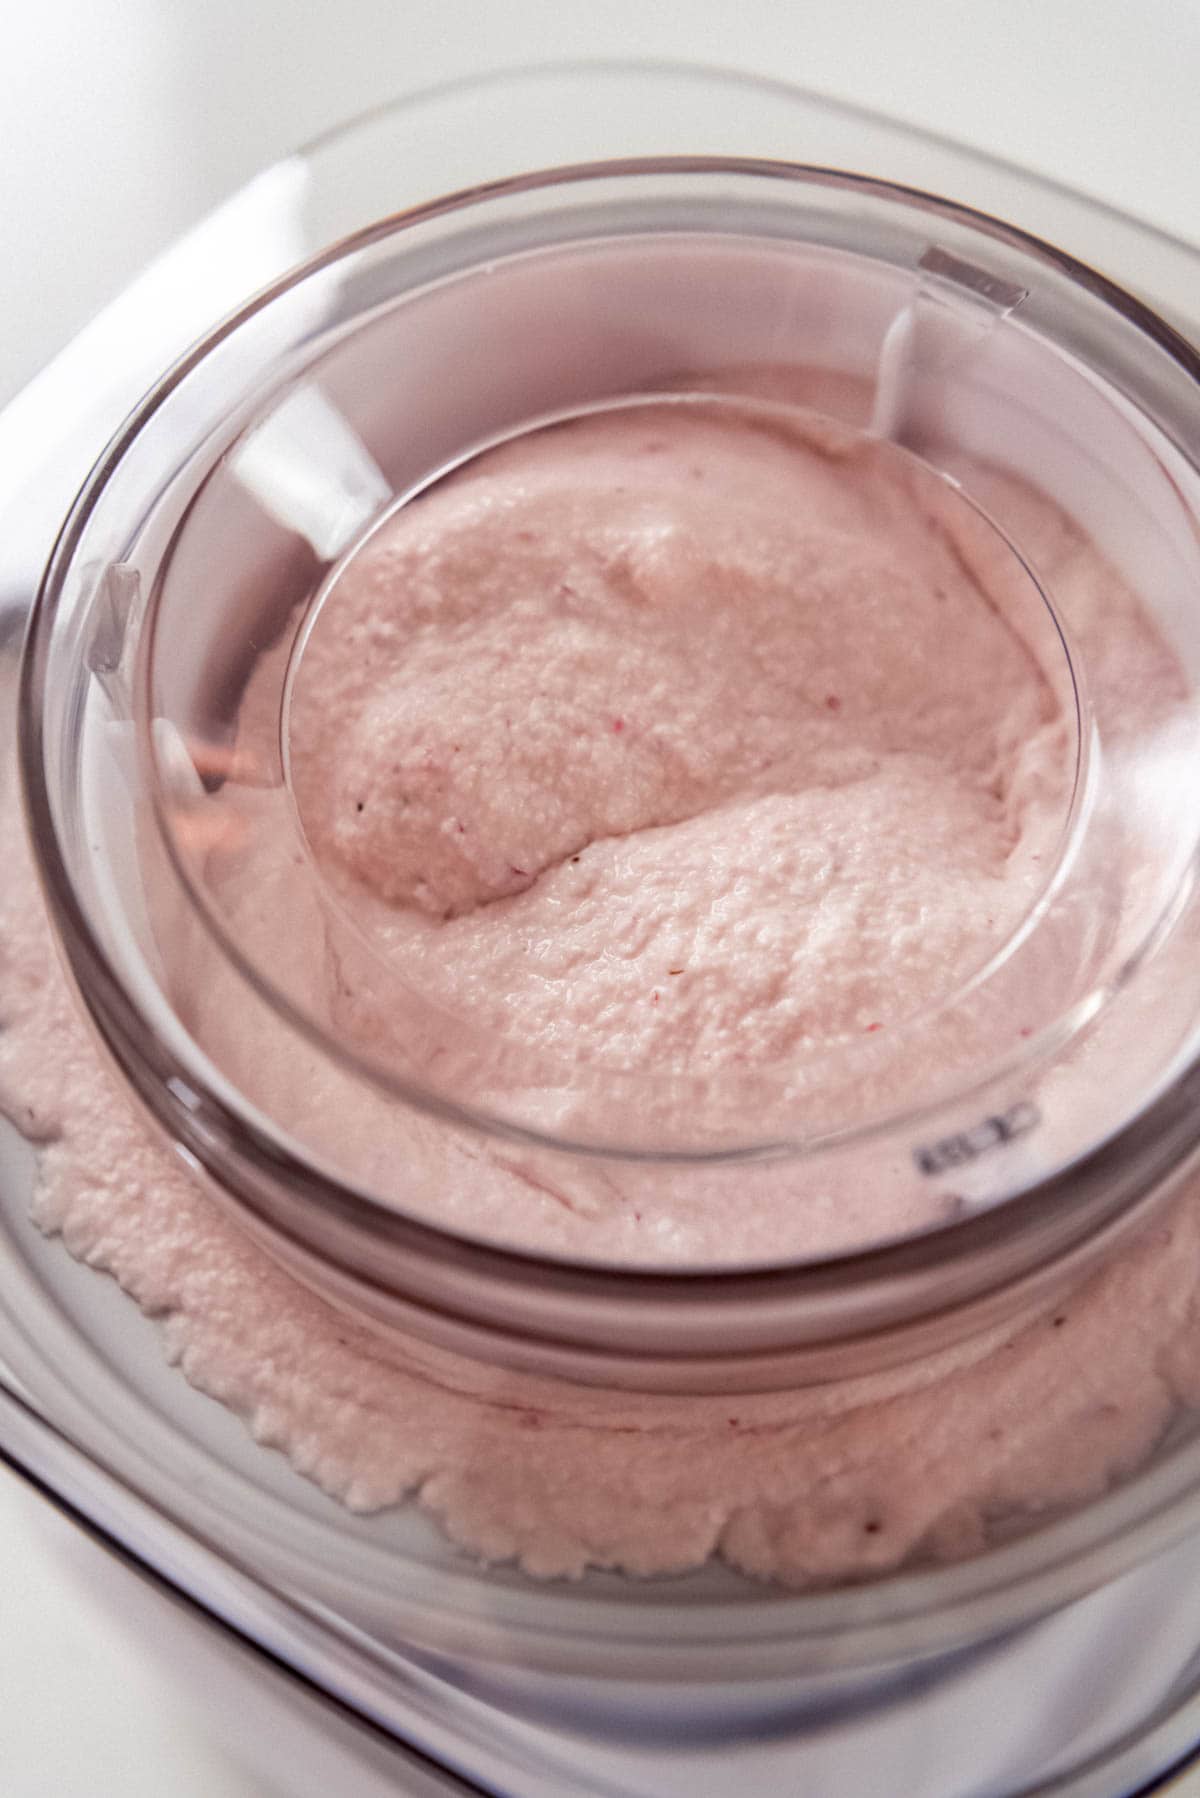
(120, 1731)
(121, 123)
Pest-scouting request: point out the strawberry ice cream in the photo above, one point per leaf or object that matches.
(679, 740)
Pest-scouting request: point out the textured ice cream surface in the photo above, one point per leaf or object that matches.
(749, 753)
(677, 695)
(680, 742)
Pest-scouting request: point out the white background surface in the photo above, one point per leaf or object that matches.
(121, 121)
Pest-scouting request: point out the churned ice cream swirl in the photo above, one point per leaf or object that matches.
(682, 735)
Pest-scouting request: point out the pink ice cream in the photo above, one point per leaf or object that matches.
(677, 738)
(660, 740)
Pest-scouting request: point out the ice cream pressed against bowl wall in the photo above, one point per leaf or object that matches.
(709, 746)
